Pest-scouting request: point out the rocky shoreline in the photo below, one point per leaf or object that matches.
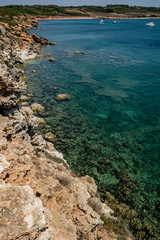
(40, 198)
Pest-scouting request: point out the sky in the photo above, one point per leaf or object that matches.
(147, 3)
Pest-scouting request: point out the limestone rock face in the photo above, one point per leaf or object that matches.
(3, 164)
(22, 215)
(30, 118)
(39, 195)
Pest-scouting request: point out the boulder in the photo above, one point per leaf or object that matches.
(62, 97)
(77, 52)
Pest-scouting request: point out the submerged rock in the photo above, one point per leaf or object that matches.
(62, 97)
(24, 98)
(36, 107)
(40, 121)
(50, 136)
(24, 103)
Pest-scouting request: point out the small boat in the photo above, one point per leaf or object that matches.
(114, 22)
(151, 24)
(101, 22)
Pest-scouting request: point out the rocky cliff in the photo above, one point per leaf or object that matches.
(40, 198)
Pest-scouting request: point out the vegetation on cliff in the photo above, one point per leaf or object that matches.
(7, 13)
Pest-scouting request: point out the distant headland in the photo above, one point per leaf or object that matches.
(54, 11)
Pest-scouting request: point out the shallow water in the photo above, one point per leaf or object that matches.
(112, 120)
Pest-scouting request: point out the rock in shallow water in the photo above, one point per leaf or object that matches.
(52, 59)
(36, 107)
(62, 97)
(50, 136)
(40, 121)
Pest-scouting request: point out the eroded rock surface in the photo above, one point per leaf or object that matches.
(22, 214)
(38, 191)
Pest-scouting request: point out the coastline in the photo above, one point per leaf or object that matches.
(144, 27)
(96, 17)
(55, 203)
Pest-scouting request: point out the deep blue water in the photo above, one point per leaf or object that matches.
(112, 121)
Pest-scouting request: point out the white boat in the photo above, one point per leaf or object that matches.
(114, 22)
(101, 22)
(151, 24)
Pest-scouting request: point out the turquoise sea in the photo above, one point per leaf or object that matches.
(110, 127)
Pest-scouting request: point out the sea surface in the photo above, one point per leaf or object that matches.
(110, 127)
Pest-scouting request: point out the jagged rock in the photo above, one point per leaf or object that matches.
(7, 102)
(40, 40)
(34, 24)
(62, 97)
(18, 122)
(29, 117)
(38, 141)
(8, 87)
